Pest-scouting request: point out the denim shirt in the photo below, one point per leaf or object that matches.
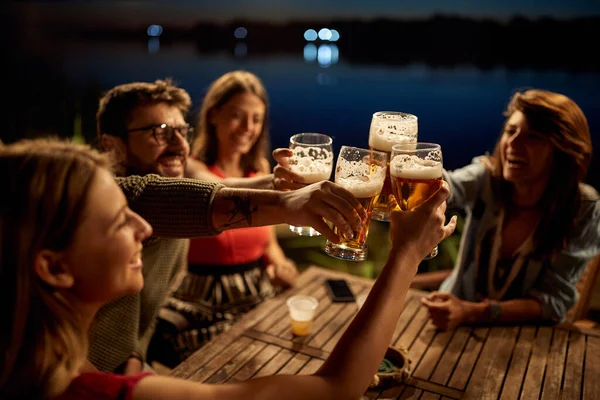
(551, 282)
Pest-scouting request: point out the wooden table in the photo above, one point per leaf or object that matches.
(509, 362)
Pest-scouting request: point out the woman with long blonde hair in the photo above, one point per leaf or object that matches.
(70, 244)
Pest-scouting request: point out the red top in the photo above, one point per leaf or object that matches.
(102, 386)
(231, 247)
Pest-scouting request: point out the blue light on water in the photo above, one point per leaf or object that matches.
(310, 35)
(154, 30)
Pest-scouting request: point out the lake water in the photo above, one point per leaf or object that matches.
(317, 90)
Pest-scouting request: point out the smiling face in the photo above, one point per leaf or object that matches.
(527, 156)
(238, 123)
(105, 254)
(143, 154)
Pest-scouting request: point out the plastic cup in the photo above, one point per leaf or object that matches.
(302, 311)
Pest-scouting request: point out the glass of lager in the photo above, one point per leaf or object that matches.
(387, 129)
(313, 159)
(361, 172)
(416, 171)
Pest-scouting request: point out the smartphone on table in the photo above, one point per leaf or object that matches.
(339, 291)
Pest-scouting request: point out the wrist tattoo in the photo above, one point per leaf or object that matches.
(242, 211)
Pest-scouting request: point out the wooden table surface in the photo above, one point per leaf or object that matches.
(507, 362)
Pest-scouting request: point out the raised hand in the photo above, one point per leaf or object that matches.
(310, 205)
(425, 225)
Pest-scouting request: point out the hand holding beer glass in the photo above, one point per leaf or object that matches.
(361, 172)
(313, 160)
(387, 129)
(416, 171)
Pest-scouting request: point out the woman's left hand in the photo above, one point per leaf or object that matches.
(445, 310)
(283, 273)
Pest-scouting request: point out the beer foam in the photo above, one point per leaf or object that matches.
(413, 167)
(384, 141)
(388, 129)
(313, 163)
(359, 178)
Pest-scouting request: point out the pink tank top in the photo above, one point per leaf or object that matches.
(231, 247)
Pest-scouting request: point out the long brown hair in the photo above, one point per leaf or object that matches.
(45, 193)
(564, 124)
(206, 147)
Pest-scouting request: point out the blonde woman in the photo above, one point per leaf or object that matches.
(70, 244)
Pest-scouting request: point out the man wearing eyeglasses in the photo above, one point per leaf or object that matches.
(143, 126)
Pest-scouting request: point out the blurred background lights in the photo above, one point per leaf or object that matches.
(324, 34)
(335, 36)
(324, 56)
(154, 30)
(240, 50)
(310, 52)
(153, 45)
(310, 35)
(240, 32)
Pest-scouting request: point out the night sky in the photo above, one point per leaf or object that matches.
(123, 13)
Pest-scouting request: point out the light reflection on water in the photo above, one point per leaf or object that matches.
(460, 108)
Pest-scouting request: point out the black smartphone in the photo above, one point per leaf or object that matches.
(339, 291)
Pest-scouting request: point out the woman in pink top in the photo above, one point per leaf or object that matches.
(69, 244)
(232, 272)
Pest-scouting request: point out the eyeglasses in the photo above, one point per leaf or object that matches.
(165, 133)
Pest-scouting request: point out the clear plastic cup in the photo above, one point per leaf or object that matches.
(302, 311)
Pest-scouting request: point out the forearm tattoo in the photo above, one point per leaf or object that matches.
(242, 211)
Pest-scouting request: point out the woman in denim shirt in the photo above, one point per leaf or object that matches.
(532, 224)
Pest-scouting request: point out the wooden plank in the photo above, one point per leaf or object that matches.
(391, 393)
(591, 376)
(286, 344)
(413, 330)
(412, 305)
(311, 367)
(275, 363)
(555, 366)
(410, 308)
(448, 361)
(429, 396)
(421, 344)
(410, 393)
(434, 387)
(574, 367)
(432, 354)
(223, 357)
(371, 394)
(255, 364)
(579, 329)
(537, 364)
(336, 319)
(293, 366)
(206, 354)
(469, 357)
(490, 370)
(518, 364)
(232, 366)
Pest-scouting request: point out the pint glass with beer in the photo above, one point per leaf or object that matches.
(361, 172)
(387, 129)
(416, 171)
(313, 160)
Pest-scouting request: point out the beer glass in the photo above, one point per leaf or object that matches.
(313, 160)
(387, 129)
(416, 171)
(361, 172)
